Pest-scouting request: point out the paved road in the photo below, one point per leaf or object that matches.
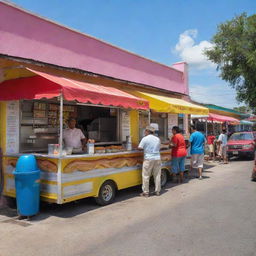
(215, 216)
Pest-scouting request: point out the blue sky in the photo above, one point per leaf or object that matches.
(167, 31)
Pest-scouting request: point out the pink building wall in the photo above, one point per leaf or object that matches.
(183, 67)
(28, 36)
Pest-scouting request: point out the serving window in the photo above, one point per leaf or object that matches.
(39, 125)
(99, 123)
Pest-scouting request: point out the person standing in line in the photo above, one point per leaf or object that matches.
(223, 141)
(216, 146)
(152, 161)
(210, 142)
(179, 153)
(197, 142)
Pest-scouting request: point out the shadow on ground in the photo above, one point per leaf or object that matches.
(82, 206)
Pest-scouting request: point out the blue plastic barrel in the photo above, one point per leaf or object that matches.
(27, 185)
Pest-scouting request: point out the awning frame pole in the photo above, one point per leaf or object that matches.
(149, 116)
(59, 174)
(61, 124)
(206, 128)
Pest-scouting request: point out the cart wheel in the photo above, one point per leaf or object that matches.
(164, 177)
(107, 193)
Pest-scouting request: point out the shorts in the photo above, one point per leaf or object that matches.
(223, 151)
(178, 164)
(211, 149)
(197, 160)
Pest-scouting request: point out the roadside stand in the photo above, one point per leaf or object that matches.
(113, 120)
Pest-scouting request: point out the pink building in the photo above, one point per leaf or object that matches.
(26, 36)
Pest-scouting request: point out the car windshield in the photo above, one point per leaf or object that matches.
(242, 136)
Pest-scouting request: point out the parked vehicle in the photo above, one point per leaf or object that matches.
(254, 169)
(241, 144)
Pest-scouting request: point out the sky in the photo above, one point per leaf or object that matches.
(166, 31)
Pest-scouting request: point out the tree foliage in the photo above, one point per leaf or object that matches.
(241, 109)
(234, 52)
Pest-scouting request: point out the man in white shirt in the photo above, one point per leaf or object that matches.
(152, 161)
(223, 141)
(74, 137)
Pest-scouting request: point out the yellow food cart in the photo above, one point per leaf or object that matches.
(34, 111)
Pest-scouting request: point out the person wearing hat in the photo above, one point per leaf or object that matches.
(74, 137)
(152, 161)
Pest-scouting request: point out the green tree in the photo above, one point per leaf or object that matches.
(234, 52)
(241, 109)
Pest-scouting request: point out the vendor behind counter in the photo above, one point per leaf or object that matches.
(74, 137)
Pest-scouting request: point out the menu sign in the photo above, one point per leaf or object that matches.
(172, 121)
(125, 125)
(12, 127)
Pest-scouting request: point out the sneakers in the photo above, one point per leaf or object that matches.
(144, 194)
(157, 193)
(200, 178)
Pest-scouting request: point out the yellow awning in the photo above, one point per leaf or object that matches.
(171, 105)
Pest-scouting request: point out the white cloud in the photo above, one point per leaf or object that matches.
(220, 95)
(191, 52)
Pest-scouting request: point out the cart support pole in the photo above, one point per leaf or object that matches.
(59, 200)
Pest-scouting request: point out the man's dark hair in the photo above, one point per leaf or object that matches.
(193, 127)
(224, 130)
(176, 128)
(71, 119)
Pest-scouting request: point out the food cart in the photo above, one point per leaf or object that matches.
(34, 111)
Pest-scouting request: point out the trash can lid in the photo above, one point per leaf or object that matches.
(26, 163)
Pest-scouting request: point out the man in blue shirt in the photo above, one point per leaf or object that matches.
(197, 141)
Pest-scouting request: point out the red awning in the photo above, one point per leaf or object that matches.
(251, 118)
(46, 85)
(220, 118)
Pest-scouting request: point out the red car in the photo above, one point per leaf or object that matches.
(241, 144)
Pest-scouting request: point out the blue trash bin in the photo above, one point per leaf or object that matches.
(27, 185)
